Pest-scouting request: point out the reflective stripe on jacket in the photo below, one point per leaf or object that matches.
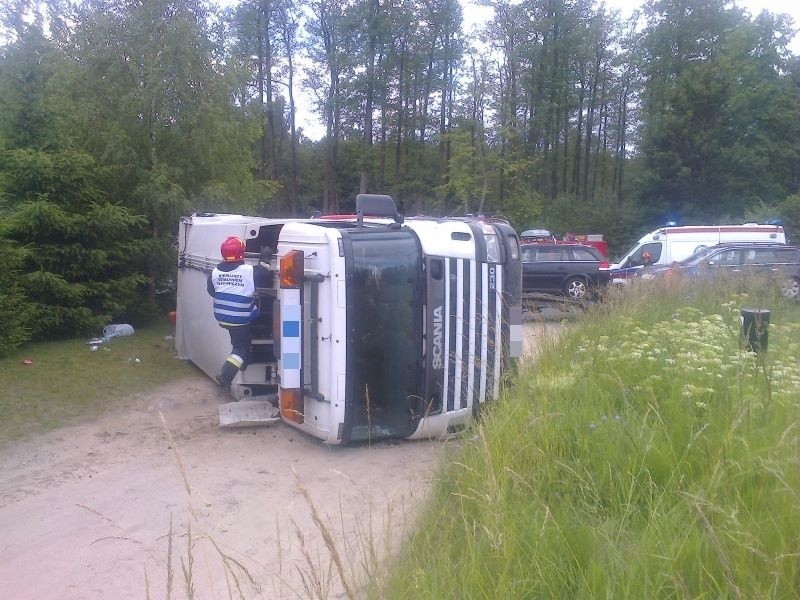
(234, 293)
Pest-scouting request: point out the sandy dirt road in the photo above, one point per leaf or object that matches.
(86, 512)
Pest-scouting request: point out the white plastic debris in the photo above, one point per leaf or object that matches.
(117, 330)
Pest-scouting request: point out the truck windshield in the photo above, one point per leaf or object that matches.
(384, 332)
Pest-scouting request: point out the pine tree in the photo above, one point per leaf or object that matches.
(81, 265)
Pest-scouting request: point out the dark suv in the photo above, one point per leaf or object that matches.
(780, 262)
(574, 270)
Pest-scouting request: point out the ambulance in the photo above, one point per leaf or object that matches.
(375, 327)
(671, 244)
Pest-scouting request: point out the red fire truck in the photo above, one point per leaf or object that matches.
(596, 240)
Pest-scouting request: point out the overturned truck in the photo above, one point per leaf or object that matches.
(375, 326)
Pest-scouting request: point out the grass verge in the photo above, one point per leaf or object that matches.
(67, 382)
(645, 456)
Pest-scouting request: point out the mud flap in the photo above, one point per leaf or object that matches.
(247, 413)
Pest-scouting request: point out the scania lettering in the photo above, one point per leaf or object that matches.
(376, 327)
(437, 338)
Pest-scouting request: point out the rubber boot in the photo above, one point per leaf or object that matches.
(227, 374)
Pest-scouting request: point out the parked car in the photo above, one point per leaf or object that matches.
(779, 262)
(573, 270)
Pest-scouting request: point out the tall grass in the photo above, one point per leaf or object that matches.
(647, 455)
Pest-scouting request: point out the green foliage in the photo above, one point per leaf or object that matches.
(248, 197)
(25, 72)
(464, 185)
(720, 127)
(521, 203)
(761, 212)
(144, 95)
(789, 211)
(159, 197)
(646, 455)
(171, 114)
(620, 223)
(81, 253)
(14, 310)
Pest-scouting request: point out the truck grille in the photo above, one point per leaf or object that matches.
(464, 333)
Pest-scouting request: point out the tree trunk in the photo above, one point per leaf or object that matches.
(374, 8)
(287, 39)
(262, 100)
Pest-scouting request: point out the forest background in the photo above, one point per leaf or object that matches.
(117, 117)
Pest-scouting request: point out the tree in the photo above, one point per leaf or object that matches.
(260, 53)
(327, 49)
(144, 95)
(15, 313)
(27, 68)
(721, 128)
(289, 27)
(82, 265)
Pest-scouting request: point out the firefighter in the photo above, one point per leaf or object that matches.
(233, 285)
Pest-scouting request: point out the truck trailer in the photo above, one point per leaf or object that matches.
(375, 327)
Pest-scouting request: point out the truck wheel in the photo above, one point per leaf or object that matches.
(575, 288)
(791, 288)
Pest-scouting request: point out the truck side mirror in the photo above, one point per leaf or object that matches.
(377, 205)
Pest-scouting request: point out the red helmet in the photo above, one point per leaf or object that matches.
(232, 249)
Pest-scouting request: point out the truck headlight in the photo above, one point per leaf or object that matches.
(492, 247)
(492, 243)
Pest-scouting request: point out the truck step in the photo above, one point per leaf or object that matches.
(257, 373)
(247, 413)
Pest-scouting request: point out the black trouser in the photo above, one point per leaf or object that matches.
(241, 343)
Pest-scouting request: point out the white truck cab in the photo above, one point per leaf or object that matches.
(670, 244)
(375, 327)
